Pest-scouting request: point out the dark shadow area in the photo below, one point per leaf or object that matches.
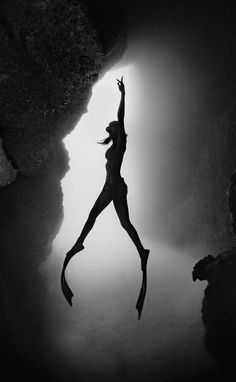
(31, 213)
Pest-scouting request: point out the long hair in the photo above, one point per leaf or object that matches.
(108, 139)
(105, 141)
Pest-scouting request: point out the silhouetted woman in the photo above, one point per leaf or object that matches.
(114, 190)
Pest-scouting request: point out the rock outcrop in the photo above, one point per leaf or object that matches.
(218, 307)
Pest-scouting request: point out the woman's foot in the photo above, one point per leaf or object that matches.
(77, 247)
(144, 258)
(65, 287)
(141, 297)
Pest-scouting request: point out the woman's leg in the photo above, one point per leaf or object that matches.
(101, 203)
(121, 207)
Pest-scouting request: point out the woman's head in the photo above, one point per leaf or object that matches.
(112, 131)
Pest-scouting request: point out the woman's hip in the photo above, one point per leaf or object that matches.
(117, 187)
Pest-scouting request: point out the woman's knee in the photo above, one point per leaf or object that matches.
(125, 223)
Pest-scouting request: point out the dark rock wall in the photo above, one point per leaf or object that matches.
(51, 55)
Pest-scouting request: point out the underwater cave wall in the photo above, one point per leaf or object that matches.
(51, 55)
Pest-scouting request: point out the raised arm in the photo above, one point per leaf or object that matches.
(121, 113)
(121, 109)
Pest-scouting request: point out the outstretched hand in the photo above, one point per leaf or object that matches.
(121, 85)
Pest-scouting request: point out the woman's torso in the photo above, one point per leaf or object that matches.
(114, 156)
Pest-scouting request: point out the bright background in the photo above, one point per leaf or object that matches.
(100, 336)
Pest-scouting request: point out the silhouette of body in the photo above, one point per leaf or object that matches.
(115, 189)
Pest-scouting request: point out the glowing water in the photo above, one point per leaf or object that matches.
(108, 249)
